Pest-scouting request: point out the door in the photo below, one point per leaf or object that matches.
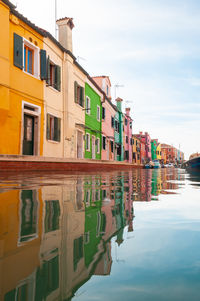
(93, 147)
(28, 142)
(79, 145)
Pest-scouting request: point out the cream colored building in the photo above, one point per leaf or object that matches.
(53, 101)
(74, 78)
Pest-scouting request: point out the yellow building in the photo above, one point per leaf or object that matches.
(158, 152)
(136, 149)
(21, 84)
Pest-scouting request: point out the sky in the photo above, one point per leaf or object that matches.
(150, 48)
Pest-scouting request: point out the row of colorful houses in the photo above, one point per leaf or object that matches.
(50, 106)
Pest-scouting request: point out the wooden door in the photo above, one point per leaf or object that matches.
(28, 142)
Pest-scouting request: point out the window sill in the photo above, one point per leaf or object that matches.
(32, 75)
(53, 141)
(52, 88)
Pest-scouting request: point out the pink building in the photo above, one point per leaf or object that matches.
(146, 139)
(108, 114)
(128, 137)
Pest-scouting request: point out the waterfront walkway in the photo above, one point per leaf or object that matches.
(37, 163)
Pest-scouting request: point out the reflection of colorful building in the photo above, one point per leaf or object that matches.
(145, 139)
(20, 236)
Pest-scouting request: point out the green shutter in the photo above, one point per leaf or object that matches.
(57, 124)
(48, 71)
(48, 127)
(57, 77)
(75, 92)
(43, 64)
(82, 91)
(18, 51)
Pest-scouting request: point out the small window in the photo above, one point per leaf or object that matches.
(112, 122)
(98, 145)
(28, 59)
(130, 141)
(87, 143)
(126, 139)
(130, 125)
(53, 75)
(53, 128)
(112, 146)
(126, 121)
(88, 109)
(104, 142)
(98, 113)
(103, 113)
(133, 142)
(79, 94)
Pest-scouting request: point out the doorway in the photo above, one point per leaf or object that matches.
(28, 140)
(79, 145)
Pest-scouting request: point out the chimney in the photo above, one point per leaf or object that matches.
(119, 103)
(65, 27)
(128, 111)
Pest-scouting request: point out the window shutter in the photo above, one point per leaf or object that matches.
(48, 71)
(48, 127)
(75, 92)
(82, 96)
(57, 123)
(57, 77)
(18, 51)
(43, 64)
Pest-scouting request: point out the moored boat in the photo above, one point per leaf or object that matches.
(193, 163)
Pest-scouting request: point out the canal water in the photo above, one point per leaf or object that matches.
(132, 235)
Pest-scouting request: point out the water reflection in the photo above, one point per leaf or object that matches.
(53, 238)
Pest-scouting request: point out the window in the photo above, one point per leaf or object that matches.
(87, 144)
(130, 141)
(112, 146)
(126, 139)
(53, 75)
(126, 121)
(28, 59)
(98, 145)
(26, 55)
(103, 113)
(133, 142)
(88, 109)
(53, 128)
(98, 113)
(79, 94)
(134, 155)
(104, 142)
(78, 251)
(112, 122)
(130, 125)
(107, 90)
(52, 215)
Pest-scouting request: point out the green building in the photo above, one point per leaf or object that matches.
(119, 130)
(154, 144)
(93, 117)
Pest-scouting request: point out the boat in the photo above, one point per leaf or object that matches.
(156, 164)
(193, 163)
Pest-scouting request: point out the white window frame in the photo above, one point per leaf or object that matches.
(87, 135)
(98, 146)
(98, 113)
(36, 53)
(88, 109)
